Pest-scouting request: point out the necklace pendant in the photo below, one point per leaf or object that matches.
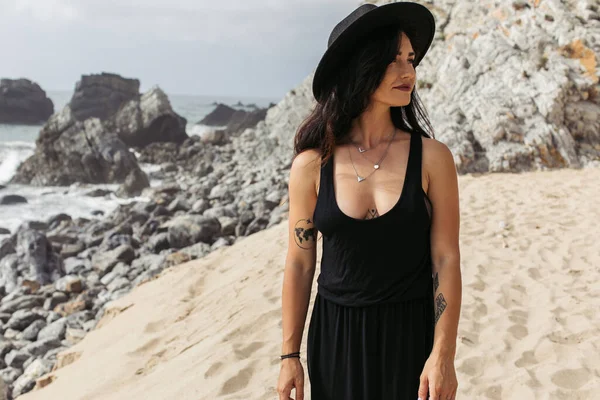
(376, 166)
(360, 178)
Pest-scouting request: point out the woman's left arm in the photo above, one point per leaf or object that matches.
(447, 281)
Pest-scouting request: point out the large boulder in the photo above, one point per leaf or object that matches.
(23, 102)
(150, 119)
(88, 140)
(235, 120)
(242, 120)
(102, 95)
(220, 116)
(69, 151)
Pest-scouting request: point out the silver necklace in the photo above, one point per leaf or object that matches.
(375, 166)
(362, 149)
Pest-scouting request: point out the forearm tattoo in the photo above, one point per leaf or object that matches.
(440, 306)
(436, 283)
(305, 233)
(372, 213)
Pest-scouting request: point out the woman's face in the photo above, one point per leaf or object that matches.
(399, 72)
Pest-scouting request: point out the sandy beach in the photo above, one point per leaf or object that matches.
(529, 327)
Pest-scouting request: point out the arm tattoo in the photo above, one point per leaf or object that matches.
(440, 306)
(436, 283)
(305, 233)
(372, 213)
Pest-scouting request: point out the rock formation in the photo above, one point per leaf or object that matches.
(23, 102)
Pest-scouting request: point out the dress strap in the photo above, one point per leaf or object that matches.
(414, 158)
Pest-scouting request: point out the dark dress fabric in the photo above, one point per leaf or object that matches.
(372, 323)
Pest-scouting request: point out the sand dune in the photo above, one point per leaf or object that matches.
(529, 329)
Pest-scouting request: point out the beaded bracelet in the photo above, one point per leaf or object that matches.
(295, 354)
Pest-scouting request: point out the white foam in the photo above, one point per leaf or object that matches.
(198, 129)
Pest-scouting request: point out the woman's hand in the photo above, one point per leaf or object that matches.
(439, 378)
(291, 375)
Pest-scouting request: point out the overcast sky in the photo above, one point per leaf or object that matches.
(220, 47)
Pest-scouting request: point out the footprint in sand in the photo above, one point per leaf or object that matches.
(271, 296)
(479, 285)
(243, 352)
(527, 359)
(494, 392)
(511, 295)
(155, 326)
(571, 378)
(256, 326)
(534, 274)
(237, 382)
(519, 329)
(213, 370)
(154, 360)
(149, 345)
(471, 366)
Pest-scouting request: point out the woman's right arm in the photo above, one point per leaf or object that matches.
(302, 251)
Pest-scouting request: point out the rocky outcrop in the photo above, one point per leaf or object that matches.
(23, 102)
(513, 86)
(69, 151)
(88, 141)
(242, 120)
(149, 119)
(234, 120)
(220, 116)
(102, 95)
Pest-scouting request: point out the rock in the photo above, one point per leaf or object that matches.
(135, 182)
(70, 307)
(41, 347)
(102, 95)
(242, 120)
(27, 381)
(69, 284)
(216, 137)
(21, 303)
(104, 262)
(159, 242)
(21, 319)
(12, 199)
(74, 336)
(56, 299)
(80, 143)
(15, 358)
(118, 283)
(5, 348)
(9, 272)
(228, 225)
(150, 119)
(220, 116)
(55, 330)
(45, 266)
(190, 229)
(10, 374)
(32, 331)
(23, 102)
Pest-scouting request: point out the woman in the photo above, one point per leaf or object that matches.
(384, 195)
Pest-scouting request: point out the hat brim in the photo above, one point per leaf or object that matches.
(416, 15)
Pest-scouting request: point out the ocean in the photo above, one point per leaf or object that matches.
(17, 143)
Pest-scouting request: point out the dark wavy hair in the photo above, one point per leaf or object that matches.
(348, 93)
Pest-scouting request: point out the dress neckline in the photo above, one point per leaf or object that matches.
(400, 197)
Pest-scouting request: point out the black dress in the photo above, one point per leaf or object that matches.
(372, 323)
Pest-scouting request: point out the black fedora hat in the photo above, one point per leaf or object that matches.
(364, 20)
